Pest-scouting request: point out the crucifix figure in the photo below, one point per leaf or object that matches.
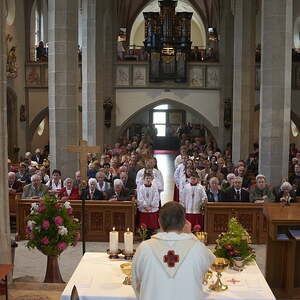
(83, 149)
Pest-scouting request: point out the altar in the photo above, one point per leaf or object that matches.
(97, 277)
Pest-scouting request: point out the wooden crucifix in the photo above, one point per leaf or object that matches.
(83, 149)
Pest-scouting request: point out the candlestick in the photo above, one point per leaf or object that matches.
(128, 241)
(114, 241)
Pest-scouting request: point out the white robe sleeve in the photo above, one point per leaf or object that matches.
(139, 177)
(140, 197)
(177, 175)
(160, 181)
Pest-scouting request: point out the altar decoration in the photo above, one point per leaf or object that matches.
(51, 228)
(126, 270)
(200, 235)
(219, 266)
(234, 243)
(143, 232)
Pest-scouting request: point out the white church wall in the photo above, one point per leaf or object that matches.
(130, 101)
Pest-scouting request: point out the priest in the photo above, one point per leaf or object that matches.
(172, 263)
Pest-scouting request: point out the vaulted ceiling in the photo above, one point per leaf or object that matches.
(128, 10)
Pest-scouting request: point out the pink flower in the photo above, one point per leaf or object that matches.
(70, 211)
(74, 244)
(31, 236)
(58, 220)
(229, 247)
(197, 228)
(41, 208)
(45, 241)
(46, 224)
(143, 226)
(27, 229)
(61, 246)
(57, 205)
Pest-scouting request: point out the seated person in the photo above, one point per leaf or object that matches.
(118, 193)
(23, 174)
(69, 192)
(214, 193)
(156, 277)
(296, 175)
(56, 183)
(91, 192)
(286, 193)
(36, 189)
(78, 181)
(102, 185)
(261, 192)
(236, 193)
(127, 183)
(241, 172)
(38, 157)
(14, 186)
(226, 184)
(43, 173)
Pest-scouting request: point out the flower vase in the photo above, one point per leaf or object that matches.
(52, 273)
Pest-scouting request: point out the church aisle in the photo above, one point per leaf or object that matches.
(165, 163)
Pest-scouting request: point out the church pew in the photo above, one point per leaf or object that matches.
(100, 217)
(250, 215)
(13, 198)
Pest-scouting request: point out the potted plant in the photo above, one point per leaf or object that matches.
(51, 228)
(234, 243)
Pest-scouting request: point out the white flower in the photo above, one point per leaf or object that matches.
(31, 224)
(62, 230)
(67, 205)
(76, 220)
(34, 207)
(38, 228)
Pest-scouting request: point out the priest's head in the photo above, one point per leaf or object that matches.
(172, 217)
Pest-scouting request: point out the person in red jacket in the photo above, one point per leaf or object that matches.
(69, 192)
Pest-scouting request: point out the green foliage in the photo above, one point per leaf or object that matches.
(235, 242)
(51, 227)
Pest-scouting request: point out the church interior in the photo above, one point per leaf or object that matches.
(111, 110)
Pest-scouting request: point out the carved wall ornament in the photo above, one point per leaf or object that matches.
(11, 63)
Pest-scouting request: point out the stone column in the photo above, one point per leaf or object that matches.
(63, 84)
(226, 59)
(92, 110)
(5, 253)
(275, 92)
(243, 78)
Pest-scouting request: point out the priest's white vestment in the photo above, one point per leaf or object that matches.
(170, 266)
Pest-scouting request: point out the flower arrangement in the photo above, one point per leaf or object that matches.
(197, 228)
(51, 228)
(143, 232)
(234, 243)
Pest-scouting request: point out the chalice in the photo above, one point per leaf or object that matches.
(207, 276)
(126, 269)
(219, 266)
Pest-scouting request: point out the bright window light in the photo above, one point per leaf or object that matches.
(163, 106)
(161, 130)
(159, 118)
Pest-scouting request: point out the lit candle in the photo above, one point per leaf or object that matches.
(114, 241)
(128, 241)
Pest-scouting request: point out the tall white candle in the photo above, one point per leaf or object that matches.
(128, 241)
(114, 241)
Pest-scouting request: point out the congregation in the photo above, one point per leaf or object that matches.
(129, 172)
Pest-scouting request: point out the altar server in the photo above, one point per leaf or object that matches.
(171, 265)
(148, 203)
(193, 196)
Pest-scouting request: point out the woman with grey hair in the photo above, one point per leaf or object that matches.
(69, 192)
(286, 194)
(118, 192)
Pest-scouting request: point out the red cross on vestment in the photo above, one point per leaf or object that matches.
(171, 259)
(233, 281)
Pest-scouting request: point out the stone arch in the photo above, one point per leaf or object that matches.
(212, 130)
(35, 123)
(12, 124)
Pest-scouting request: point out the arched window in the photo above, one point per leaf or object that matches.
(38, 24)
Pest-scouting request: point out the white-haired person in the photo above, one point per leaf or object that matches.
(36, 189)
(91, 192)
(118, 192)
(228, 183)
(69, 192)
(261, 192)
(286, 193)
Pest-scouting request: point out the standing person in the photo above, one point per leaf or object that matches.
(55, 184)
(172, 263)
(193, 196)
(148, 203)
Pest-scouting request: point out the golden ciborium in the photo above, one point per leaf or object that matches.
(126, 269)
(201, 236)
(219, 266)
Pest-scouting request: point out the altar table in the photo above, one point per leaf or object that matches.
(97, 277)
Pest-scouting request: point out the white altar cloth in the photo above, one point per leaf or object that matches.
(98, 277)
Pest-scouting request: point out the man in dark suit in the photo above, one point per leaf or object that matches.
(127, 183)
(213, 192)
(118, 193)
(38, 157)
(246, 181)
(236, 193)
(91, 192)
